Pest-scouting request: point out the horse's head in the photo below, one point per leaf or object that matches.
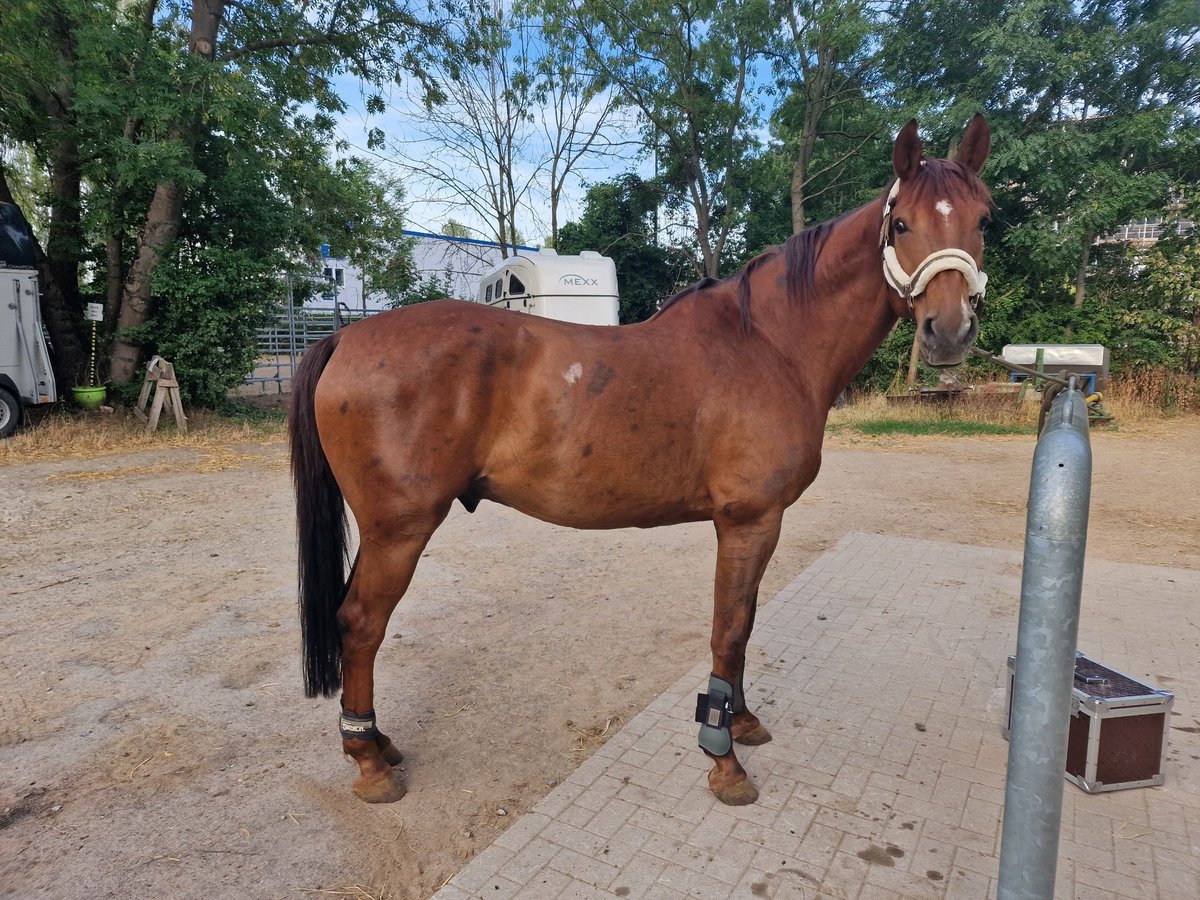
(932, 240)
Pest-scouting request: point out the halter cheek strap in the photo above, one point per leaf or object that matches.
(912, 286)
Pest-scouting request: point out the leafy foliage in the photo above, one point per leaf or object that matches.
(687, 70)
(617, 222)
(181, 138)
(422, 289)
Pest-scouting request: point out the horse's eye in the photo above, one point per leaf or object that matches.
(900, 226)
(984, 223)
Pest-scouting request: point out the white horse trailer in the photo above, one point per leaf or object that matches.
(26, 378)
(579, 288)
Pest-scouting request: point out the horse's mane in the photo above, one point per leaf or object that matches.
(802, 250)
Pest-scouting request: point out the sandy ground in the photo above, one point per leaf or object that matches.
(154, 737)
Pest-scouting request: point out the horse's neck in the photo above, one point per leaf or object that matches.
(830, 338)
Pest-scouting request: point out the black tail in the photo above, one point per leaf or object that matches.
(321, 524)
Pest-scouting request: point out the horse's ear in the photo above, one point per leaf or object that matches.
(906, 153)
(976, 144)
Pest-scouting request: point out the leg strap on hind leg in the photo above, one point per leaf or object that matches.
(358, 727)
(714, 712)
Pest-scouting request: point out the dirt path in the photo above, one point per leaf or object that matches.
(154, 739)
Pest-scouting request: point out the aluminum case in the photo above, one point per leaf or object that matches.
(1118, 730)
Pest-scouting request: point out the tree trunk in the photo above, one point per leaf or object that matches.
(162, 226)
(164, 215)
(814, 109)
(712, 259)
(1081, 279)
(114, 279)
(554, 198)
(913, 358)
(1081, 275)
(816, 82)
(64, 239)
(799, 168)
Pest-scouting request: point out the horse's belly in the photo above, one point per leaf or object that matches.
(580, 502)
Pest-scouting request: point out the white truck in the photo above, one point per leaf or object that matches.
(26, 378)
(579, 288)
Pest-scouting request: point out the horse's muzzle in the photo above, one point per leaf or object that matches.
(947, 336)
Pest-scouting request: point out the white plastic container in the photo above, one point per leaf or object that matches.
(579, 288)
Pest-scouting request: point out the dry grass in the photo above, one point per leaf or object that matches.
(76, 435)
(1152, 395)
(1139, 402)
(873, 414)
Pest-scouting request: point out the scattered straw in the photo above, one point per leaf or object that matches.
(592, 735)
(354, 890)
(62, 435)
(1120, 832)
(133, 771)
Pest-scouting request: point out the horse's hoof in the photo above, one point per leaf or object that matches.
(392, 756)
(740, 793)
(385, 788)
(755, 736)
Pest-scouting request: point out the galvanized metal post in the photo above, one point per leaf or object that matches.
(1055, 537)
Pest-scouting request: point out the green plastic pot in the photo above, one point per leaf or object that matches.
(90, 397)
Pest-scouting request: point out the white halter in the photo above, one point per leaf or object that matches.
(910, 286)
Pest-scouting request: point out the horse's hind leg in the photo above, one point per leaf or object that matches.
(743, 550)
(382, 574)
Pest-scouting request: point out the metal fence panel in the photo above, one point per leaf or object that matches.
(292, 331)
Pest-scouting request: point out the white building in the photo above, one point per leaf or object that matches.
(461, 262)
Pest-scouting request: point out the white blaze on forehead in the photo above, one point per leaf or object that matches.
(944, 207)
(574, 373)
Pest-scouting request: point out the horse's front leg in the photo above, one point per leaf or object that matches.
(743, 550)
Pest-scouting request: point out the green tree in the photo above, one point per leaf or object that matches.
(849, 163)
(825, 63)
(122, 98)
(617, 221)
(270, 196)
(687, 69)
(1094, 112)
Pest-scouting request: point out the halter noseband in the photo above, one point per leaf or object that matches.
(911, 286)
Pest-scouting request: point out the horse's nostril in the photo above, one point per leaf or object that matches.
(927, 328)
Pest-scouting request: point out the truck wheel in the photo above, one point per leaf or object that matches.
(10, 413)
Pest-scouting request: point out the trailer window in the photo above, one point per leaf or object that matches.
(499, 288)
(487, 297)
(515, 285)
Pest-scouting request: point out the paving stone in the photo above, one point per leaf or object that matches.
(886, 775)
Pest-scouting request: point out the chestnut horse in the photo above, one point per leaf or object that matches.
(714, 409)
